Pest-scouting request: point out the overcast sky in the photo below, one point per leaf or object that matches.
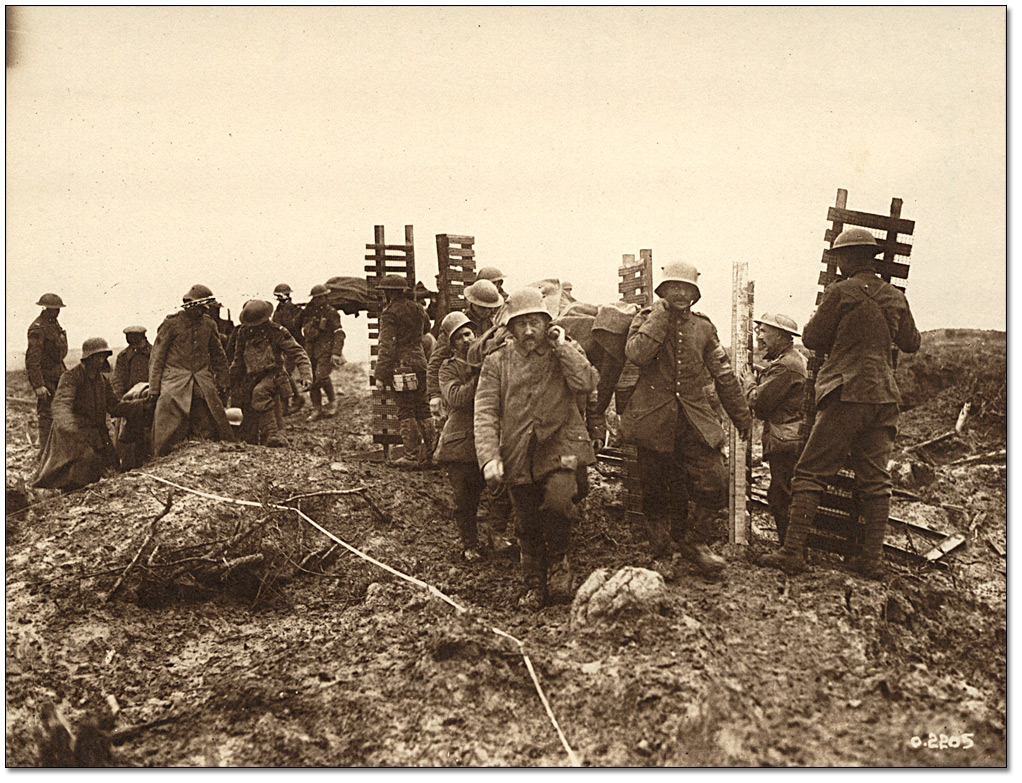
(152, 148)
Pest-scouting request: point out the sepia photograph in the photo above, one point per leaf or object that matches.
(506, 387)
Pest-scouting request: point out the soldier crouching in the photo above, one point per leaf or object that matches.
(529, 432)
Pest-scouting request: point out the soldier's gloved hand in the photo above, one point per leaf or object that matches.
(555, 334)
(42, 393)
(660, 307)
(493, 472)
(435, 407)
(744, 432)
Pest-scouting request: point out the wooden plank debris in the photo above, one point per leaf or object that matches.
(949, 544)
(990, 456)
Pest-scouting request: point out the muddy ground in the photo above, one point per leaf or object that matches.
(330, 660)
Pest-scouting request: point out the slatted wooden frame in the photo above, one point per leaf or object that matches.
(635, 285)
(386, 260)
(456, 265)
(739, 451)
(837, 526)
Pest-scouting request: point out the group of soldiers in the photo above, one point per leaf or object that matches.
(197, 379)
(509, 404)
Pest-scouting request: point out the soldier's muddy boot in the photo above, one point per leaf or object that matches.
(330, 410)
(295, 404)
(870, 560)
(789, 557)
(270, 433)
(410, 441)
(558, 582)
(468, 532)
(659, 537)
(693, 546)
(534, 574)
(317, 413)
(428, 432)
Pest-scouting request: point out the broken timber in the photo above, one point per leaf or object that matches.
(387, 260)
(635, 285)
(739, 449)
(837, 523)
(457, 270)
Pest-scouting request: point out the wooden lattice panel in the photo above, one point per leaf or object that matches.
(635, 284)
(838, 528)
(457, 270)
(739, 450)
(386, 260)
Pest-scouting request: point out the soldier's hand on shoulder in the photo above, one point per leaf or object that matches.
(555, 334)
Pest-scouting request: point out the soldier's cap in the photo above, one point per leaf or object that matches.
(778, 321)
(95, 345)
(134, 330)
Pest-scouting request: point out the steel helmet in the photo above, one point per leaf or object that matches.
(255, 312)
(393, 283)
(778, 321)
(197, 291)
(50, 300)
(453, 322)
(682, 272)
(523, 302)
(95, 345)
(234, 416)
(483, 293)
(319, 290)
(490, 273)
(856, 237)
(134, 330)
(282, 289)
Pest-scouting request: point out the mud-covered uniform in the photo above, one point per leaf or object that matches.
(457, 448)
(527, 414)
(777, 399)
(319, 322)
(79, 448)
(258, 377)
(670, 420)
(134, 436)
(188, 371)
(44, 364)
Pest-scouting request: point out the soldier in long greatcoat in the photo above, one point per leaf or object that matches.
(44, 359)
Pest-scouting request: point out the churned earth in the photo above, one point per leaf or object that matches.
(263, 644)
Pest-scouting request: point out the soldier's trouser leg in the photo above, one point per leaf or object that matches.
(467, 483)
(200, 421)
(264, 404)
(658, 475)
(707, 480)
(782, 468)
(43, 414)
(527, 499)
(870, 454)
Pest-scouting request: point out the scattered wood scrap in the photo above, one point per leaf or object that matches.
(949, 544)
(990, 456)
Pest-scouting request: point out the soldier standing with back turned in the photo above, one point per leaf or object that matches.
(857, 400)
(44, 359)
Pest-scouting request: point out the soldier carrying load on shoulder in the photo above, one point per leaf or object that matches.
(44, 359)
(319, 322)
(289, 315)
(858, 320)
(258, 377)
(669, 419)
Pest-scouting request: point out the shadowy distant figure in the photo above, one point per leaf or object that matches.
(319, 322)
(131, 374)
(44, 359)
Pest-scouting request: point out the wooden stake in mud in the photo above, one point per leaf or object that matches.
(837, 519)
(456, 267)
(387, 260)
(635, 284)
(739, 521)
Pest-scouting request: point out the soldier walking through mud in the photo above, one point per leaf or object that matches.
(188, 376)
(530, 433)
(289, 315)
(79, 449)
(403, 322)
(857, 401)
(131, 373)
(670, 420)
(319, 322)
(44, 359)
(457, 450)
(777, 399)
(258, 378)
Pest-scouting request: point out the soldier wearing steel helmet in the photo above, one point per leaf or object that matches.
(258, 377)
(131, 371)
(44, 359)
(482, 307)
(319, 322)
(403, 322)
(670, 420)
(79, 450)
(530, 433)
(188, 375)
(289, 315)
(456, 450)
(858, 320)
(776, 397)
(495, 276)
